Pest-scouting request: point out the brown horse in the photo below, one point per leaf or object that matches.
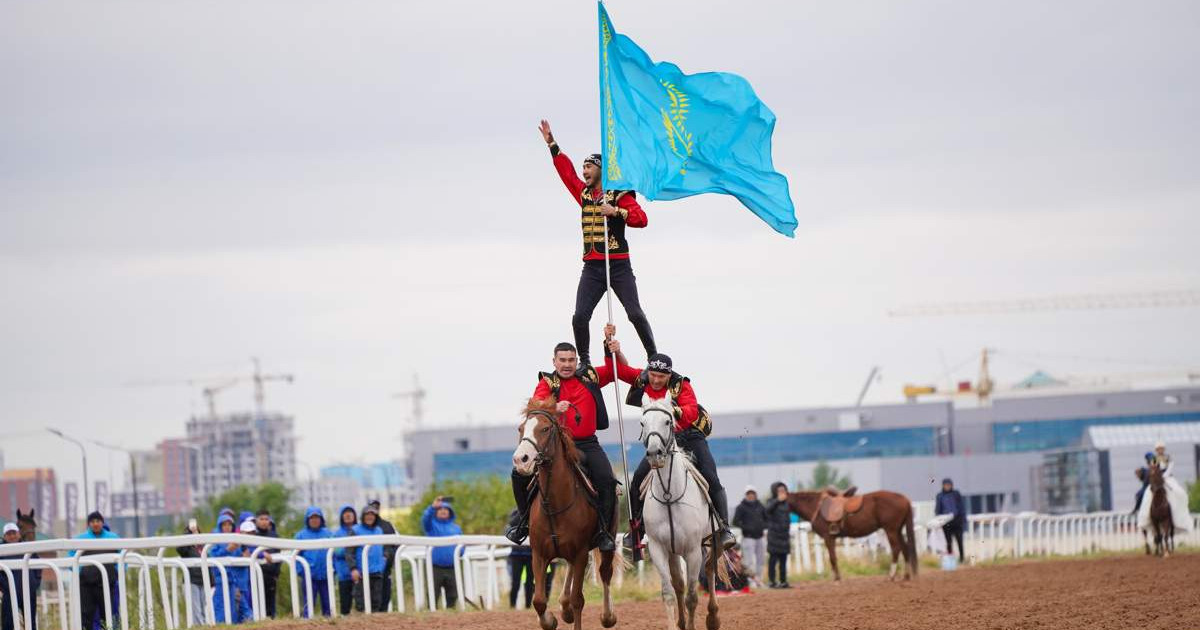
(562, 519)
(1160, 514)
(836, 514)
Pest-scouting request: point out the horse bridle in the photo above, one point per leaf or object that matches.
(545, 457)
(669, 447)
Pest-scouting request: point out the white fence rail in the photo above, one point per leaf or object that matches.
(476, 572)
(990, 536)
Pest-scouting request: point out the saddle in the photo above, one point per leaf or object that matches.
(589, 491)
(836, 505)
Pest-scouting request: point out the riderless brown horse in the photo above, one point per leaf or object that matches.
(562, 516)
(1160, 514)
(835, 514)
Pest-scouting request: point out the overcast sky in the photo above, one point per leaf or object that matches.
(356, 192)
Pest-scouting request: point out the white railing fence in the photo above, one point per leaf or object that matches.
(991, 536)
(477, 571)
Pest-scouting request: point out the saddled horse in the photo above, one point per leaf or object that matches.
(1161, 520)
(835, 514)
(562, 515)
(678, 519)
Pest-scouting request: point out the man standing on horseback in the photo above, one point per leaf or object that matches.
(692, 426)
(581, 411)
(621, 209)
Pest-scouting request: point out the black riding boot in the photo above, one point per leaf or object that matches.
(633, 539)
(721, 505)
(519, 530)
(604, 540)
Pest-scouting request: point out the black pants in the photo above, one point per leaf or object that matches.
(591, 289)
(376, 594)
(6, 617)
(385, 579)
(91, 604)
(347, 592)
(524, 564)
(777, 560)
(596, 466)
(443, 580)
(954, 532)
(694, 442)
(270, 582)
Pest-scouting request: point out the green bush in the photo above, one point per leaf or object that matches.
(1194, 497)
(481, 505)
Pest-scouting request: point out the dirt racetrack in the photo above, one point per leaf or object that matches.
(1110, 593)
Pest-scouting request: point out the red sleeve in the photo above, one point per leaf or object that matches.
(604, 372)
(570, 179)
(628, 373)
(542, 391)
(687, 409)
(625, 372)
(637, 216)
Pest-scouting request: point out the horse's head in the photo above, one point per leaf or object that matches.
(1156, 478)
(27, 525)
(541, 436)
(658, 431)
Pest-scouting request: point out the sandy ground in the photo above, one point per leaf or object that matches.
(1108, 593)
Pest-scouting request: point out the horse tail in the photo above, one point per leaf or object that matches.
(721, 569)
(910, 540)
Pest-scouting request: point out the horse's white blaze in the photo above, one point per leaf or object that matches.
(524, 456)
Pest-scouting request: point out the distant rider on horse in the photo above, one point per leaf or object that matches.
(581, 411)
(621, 209)
(692, 426)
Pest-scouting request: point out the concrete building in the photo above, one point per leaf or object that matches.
(356, 484)
(29, 489)
(242, 448)
(996, 453)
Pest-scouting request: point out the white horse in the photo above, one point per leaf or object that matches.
(677, 519)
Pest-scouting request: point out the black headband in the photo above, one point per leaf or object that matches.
(659, 362)
(593, 159)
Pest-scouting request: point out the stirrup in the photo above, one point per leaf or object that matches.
(604, 541)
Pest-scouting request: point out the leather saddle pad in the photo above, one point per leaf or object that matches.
(836, 506)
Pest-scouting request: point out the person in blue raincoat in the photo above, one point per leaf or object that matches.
(314, 529)
(91, 583)
(239, 578)
(344, 566)
(375, 564)
(438, 520)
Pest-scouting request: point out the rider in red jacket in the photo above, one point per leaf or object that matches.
(692, 425)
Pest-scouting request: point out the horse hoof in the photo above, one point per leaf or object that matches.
(608, 621)
(712, 622)
(568, 616)
(548, 622)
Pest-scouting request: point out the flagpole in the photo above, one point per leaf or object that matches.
(616, 379)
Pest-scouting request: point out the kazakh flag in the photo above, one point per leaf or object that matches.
(670, 135)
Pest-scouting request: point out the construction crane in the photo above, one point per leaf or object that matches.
(1080, 302)
(260, 378)
(982, 388)
(210, 394)
(417, 395)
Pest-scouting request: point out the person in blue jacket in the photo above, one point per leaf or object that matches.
(239, 578)
(950, 502)
(314, 529)
(375, 561)
(232, 515)
(438, 520)
(91, 584)
(348, 575)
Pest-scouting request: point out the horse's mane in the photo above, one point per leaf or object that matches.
(547, 405)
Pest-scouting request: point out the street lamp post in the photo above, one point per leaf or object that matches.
(87, 505)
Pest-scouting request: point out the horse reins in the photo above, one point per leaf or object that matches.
(545, 457)
(670, 447)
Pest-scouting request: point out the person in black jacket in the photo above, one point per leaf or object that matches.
(265, 526)
(389, 555)
(751, 517)
(12, 535)
(950, 501)
(779, 524)
(195, 576)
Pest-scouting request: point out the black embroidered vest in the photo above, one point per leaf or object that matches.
(593, 223)
(591, 381)
(638, 390)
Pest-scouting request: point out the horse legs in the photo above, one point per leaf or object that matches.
(608, 618)
(831, 545)
(546, 619)
(712, 621)
(564, 601)
(578, 573)
(897, 546)
(1146, 540)
(693, 564)
(672, 584)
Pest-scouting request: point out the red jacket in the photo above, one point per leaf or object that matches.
(687, 408)
(636, 217)
(574, 391)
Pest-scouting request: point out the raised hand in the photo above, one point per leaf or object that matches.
(545, 129)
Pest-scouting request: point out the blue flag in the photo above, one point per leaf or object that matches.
(670, 135)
